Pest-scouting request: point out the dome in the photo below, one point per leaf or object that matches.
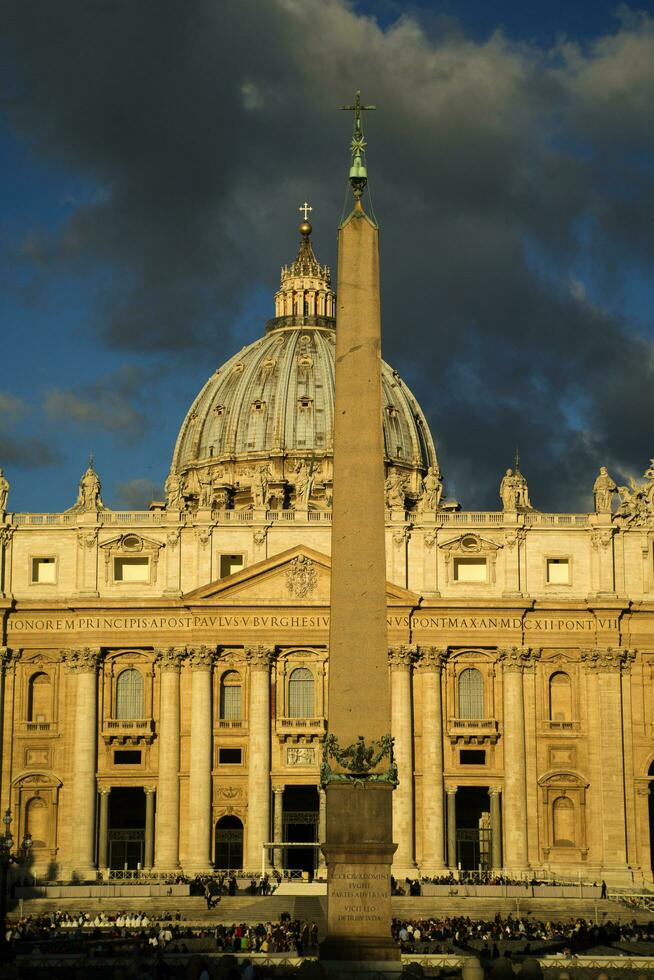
(272, 405)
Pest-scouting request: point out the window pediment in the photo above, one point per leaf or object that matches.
(470, 544)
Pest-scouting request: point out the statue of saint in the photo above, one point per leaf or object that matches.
(89, 493)
(259, 488)
(521, 491)
(603, 490)
(508, 494)
(303, 485)
(432, 489)
(173, 491)
(395, 489)
(4, 491)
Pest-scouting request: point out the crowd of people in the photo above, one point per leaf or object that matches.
(430, 936)
(414, 886)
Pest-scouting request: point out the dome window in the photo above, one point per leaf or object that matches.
(258, 406)
(392, 411)
(219, 410)
(305, 403)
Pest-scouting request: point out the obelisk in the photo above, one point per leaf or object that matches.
(358, 774)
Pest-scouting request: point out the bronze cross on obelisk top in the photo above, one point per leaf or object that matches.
(357, 109)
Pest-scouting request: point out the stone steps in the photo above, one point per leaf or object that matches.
(248, 908)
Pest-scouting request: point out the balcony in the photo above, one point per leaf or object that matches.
(292, 729)
(38, 728)
(231, 724)
(563, 726)
(472, 731)
(127, 732)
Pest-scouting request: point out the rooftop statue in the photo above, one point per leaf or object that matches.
(603, 490)
(637, 500)
(514, 491)
(89, 496)
(4, 491)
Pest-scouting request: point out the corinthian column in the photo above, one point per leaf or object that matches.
(199, 789)
(6, 658)
(433, 794)
(514, 660)
(167, 819)
(82, 666)
(258, 829)
(605, 669)
(400, 660)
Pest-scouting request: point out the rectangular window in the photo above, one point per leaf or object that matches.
(44, 570)
(131, 569)
(127, 757)
(558, 571)
(472, 757)
(230, 564)
(470, 570)
(230, 757)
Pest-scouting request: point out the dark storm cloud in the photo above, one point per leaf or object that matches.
(26, 452)
(137, 494)
(498, 170)
(113, 403)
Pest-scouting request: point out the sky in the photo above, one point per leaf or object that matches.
(153, 156)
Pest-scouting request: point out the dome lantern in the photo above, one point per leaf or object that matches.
(305, 296)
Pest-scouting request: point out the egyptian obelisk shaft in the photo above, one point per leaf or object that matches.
(357, 774)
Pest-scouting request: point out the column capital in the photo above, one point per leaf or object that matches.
(517, 659)
(7, 657)
(149, 790)
(170, 658)
(431, 660)
(401, 658)
(82, 660)
(451, 790)
(278, 790)
(609, 660)
(201, 658)
(259, 657)
(494, 790)
(104, 790)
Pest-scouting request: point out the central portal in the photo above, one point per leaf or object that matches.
(300, 823)
(473, 829)
(126, 828)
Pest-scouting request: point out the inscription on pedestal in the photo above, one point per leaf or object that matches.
(359, 893)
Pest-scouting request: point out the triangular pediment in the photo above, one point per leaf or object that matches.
(299, 575)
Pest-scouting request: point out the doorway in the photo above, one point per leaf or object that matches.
(473, 830)
(229, 844)
(299, 824)
(126, 828)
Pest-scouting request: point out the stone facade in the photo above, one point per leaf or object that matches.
(164, 673)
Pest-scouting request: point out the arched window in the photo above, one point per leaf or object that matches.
(36, 821)
(39, 697)
(230, 696)
(229, 844)
(560, 697)
(563, 819)
(300, 693)
(471, 693)
(129, 695)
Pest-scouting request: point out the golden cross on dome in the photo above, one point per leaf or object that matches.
(305, 208)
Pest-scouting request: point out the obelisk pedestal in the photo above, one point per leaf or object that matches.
(358, 772)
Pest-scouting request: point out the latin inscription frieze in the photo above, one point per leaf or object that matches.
(418, 622)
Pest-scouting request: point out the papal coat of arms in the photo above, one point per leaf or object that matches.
(301, 577)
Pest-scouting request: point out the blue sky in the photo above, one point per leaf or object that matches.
(153, 158)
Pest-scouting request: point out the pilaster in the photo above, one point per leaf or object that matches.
(170, 662)
(430, 665)
(259, 659)
(201, 661)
